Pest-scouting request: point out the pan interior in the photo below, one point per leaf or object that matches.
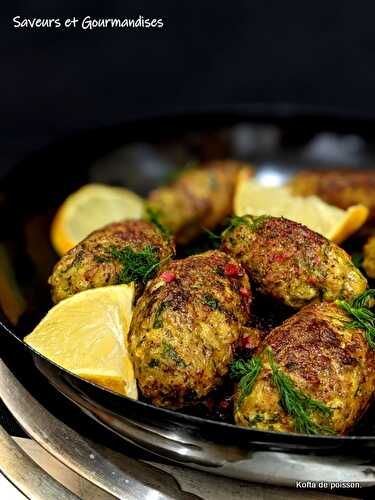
(142, 156)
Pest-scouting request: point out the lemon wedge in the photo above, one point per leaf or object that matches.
(332, 222)
(87, 335)
(90, 208)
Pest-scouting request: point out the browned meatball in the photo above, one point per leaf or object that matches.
(325, 360)
(340, 187)
(369, 257)
(201, 197)
(291, 263)
(185, 328)
(99, 260)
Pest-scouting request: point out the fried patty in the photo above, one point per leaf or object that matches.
(201, 197)
(291, 263)
(325, 360)
(339, 187)
(185, 328)
(94, 263)
(369, 257)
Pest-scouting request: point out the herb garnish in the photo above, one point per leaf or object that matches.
(294, 402)
(246, 372)
(211, 301)
(100, 259)
(154, 217)
(170, 351)
(297, 404)
(252, 221)
(154, 363)
(137, 266)
(362, 316)
(214, 238)
(158, 322)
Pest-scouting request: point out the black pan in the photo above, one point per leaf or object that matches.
(141, 155)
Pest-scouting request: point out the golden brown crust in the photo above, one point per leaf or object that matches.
(291, 263)
(90, 265)
(339, 187)
(325, 360)
(369, 257)
(184, 330)
(201, 197)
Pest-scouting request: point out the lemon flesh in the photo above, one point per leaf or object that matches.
(87, 335)
(92, 207)
(332, 222)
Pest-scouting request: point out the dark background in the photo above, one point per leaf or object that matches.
(209, 54)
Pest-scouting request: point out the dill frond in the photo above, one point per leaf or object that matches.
(214, 238)
(137, 266)
(297, 404)
(252, 221)
(365, 299)
(154, 218)
(246, 372)
(363, 317)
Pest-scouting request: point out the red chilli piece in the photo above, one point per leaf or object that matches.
(168, 276)
(232, 270)
(245, 292)
(248, 343)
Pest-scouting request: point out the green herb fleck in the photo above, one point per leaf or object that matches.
(100, 259)
(137, 266)
(158, 322)
(154, 217)
(211, 301)
(363, 317)
(297, 404)
(154, 363)
(246, 372)
(78, 258)
(169, 351)
(251, 221)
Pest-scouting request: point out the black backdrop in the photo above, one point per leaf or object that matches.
(208, 54)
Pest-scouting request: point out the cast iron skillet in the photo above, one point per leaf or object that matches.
(141, 155)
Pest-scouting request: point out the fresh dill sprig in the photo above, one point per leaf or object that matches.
(252, 221)
(365, 299)
(137, 266)
(363, 317)
(297, 404)
(154, 218)
(246, 372)
(214, 238)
